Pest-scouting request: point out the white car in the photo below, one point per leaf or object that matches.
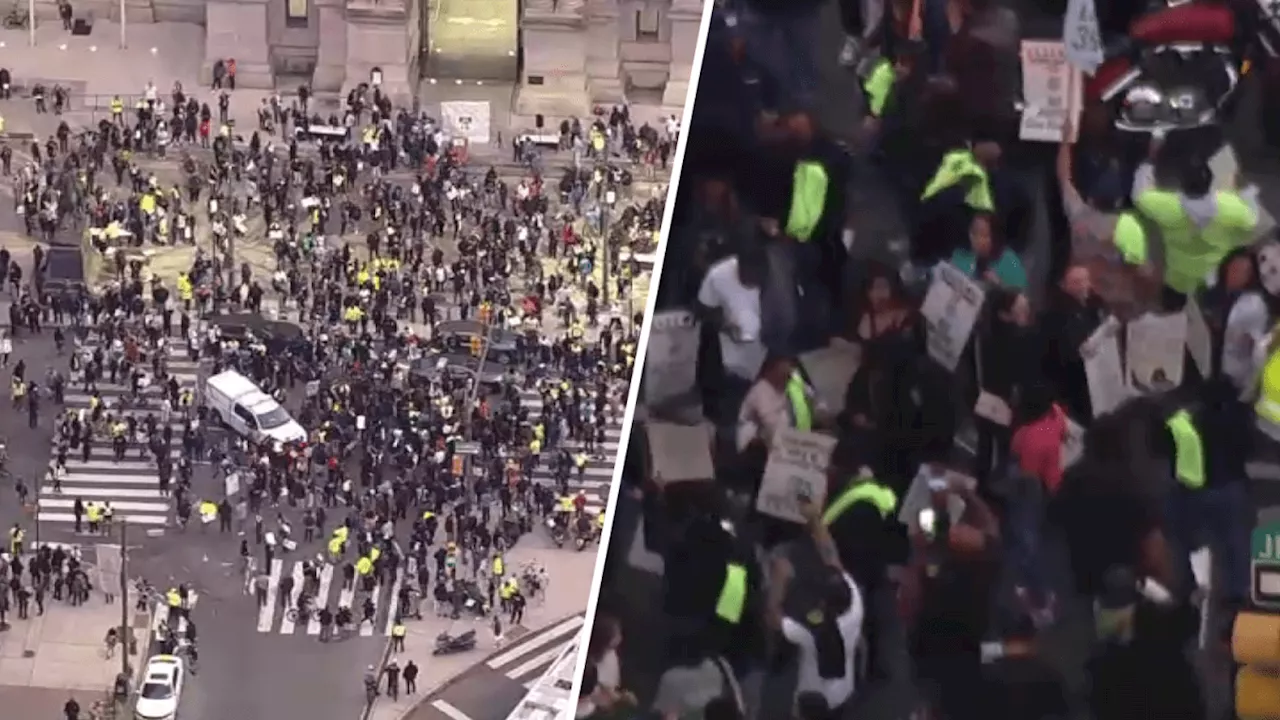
(161, 689)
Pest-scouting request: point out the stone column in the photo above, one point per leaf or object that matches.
(330, 75)
(686, 21)
(238, 29)
(554, 81)
(604, 58)
(378, 36)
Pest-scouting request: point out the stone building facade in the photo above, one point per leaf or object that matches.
(573, 53)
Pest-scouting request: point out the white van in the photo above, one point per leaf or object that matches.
(242, 406)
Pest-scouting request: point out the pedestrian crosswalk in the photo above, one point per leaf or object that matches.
(131, 485)
(597, 476)
(527, 659)
(278, 612)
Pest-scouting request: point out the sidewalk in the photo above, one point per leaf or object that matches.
(48, 658)
(571, 574)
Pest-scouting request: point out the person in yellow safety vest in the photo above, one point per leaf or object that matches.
(565, 504)
(16, 536)
(173, 599)
(364, 566)
(499, 569)
(960, 186)
(1, 123)
(117, 109)
(965, 169)
(335, 548)
(398, 632)
(862, 518)
(1198, 225)
(352, 316)
(374, 554)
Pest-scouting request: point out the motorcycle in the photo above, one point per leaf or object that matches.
(556, 530)
(1180, 67)
(447, 644)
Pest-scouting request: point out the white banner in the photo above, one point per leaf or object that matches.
(951, 309)
(797, 468)
(466, 119)
(671, 362)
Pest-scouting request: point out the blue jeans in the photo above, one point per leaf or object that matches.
(1218, 517)
(1024, 522)
(785, 47)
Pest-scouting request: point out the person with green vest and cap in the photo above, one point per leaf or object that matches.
(959, 187)
(862, 515)
(1198, 225)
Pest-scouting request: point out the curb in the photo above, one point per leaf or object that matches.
(430, 695)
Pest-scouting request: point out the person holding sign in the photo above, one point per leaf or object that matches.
(987, 258)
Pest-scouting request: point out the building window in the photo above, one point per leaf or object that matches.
(536, 80)
(296, 12)
(647, 26)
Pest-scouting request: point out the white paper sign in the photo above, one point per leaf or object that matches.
(1072, 444)
(231, 484)
(671, 361)
(797, 467)
(466, 119)
(1081, 37)
(951, 308)
(1103, 370)
(1199, 340)
(1051, 91)
(1155, 346)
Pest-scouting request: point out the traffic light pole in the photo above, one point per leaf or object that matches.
(126, 638)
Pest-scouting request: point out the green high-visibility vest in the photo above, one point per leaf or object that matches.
(799, 402)
(808, 199)
(733, 594)
(881, 497)
(1188, 450)
(878, 85)
(956, 166)
(1192, 250)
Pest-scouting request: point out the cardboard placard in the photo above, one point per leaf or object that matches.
(679, 453)
(1051, 90)
(797, 467)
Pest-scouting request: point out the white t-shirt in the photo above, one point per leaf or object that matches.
(764, 410)
(722, 290)
(837, 691)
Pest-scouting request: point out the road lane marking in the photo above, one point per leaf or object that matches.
(448, 709)
(537, 662)
(326, 578)
(522, 645)
(286, 623)
(393, 603)
(267, 613)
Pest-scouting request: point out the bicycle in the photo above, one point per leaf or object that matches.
(17, 19)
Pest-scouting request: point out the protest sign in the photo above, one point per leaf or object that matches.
(1080, 36)
(1102, 368)
(951, 308)
(671, 362)
(830, 369)
(679, 453)
(797, 468)
(1050, 90)
(1199, 340)
(1155, 346)
(1072, 444)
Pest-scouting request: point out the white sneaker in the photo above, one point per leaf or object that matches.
(849, 52)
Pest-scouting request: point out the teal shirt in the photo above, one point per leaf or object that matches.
(1008, 268)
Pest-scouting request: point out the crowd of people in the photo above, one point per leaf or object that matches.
(397, 296)
(1001, 447)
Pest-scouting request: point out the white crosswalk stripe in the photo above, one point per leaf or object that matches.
(275, 617)
(527, 659)
(132, 485)
(597, 476)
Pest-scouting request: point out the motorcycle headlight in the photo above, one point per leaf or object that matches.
(1148, 105)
